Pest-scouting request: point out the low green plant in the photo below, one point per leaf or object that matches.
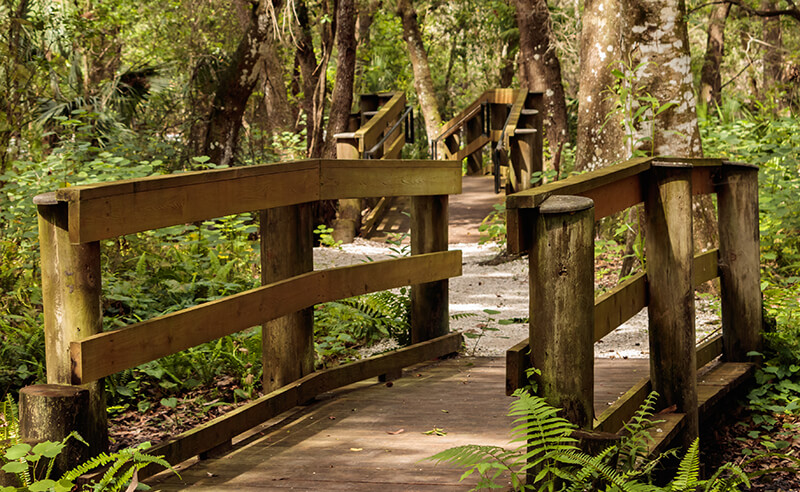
(493, 227)
(546, 450)
(486, 325)
(325, 235)
(341, 327)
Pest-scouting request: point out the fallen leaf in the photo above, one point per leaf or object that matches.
(394, 433)
(356, 449)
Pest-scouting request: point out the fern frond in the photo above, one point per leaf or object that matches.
(688, 470)
(469, 455)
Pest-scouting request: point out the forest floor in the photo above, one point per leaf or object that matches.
(497, 287)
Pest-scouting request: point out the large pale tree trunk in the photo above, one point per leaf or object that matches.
(655, 33)
(423, 82)
(540, 69)
(342, 97)
(237, 83)
(601, 139)
(711, 76)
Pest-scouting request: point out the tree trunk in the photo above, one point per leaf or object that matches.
(540, 69)
(711, 77)
(601, 139)
(342, 98)
(423, 82)
(236, 84)
(772, 54)
(510, 52)
(655, 33)
(366, 15)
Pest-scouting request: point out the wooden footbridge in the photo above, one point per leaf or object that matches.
(339, 429)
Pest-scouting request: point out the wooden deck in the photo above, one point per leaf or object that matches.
(466, 211)
(371, 436)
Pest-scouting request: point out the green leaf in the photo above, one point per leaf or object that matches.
(169, 402)
(17, 451)
(48, 449)
(15, 467)
(42, 486)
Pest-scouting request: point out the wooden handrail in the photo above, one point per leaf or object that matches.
(103, 211)
(110, 352)
(372, 131)
(493, 96)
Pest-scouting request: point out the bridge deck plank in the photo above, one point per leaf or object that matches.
(354, 450)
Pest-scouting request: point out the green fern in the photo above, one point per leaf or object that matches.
(688, 470)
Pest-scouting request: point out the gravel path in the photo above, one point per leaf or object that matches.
(504, 288)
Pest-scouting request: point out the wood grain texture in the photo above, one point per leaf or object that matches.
(110, 352)
(221, 429)
(429, 300)
(619, 304)
(739, 261)
(372, 131)
(376, 178)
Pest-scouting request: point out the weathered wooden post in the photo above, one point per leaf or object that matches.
(739, 260)
(286, 251)
(473, 131)
(562, 305)
(50, 412)
(348, 216)
(526, 144)
(670, 253)
(71, 296)
(429, 301)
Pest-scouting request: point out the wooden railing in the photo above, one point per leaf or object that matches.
(377, 133)
(510, 120)
(74, 220)
(554, 222)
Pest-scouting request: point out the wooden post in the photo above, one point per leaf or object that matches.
(562, 305)
(348, 214)
(739, 260)
(429, 301)
(71, 291)
(286, 251)
(473, 130)
(669, 254)
(50, 412)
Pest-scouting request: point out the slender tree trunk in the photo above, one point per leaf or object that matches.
(773, 60)
(510, 52)
(366, 15)
(236, 84)
(342, 97)
(655, 32)
(711, 75)
(423, 82)
(540, 69)
(601, 139)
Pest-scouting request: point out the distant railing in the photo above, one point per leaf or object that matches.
(508, 119)
(74, 220)
(555, 224)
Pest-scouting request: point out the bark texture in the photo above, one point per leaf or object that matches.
(237, 83)
(601, 139)
(710, 76)
(342, 97)
(423, 82)
(540, 69)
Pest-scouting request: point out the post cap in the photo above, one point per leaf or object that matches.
(562, 204)
(48, 198)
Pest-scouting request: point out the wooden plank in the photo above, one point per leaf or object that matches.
(513, 116)
(615, 197)
(472, 147)
(151, 207)
(615, 416)
(709, 350)
(372, 131)
(720, 381)
(578, 184)
(664, 432)
(106, 353)
(362, 179)
(376, 215)
(458, 120)
(501, 96)
(619, 304)
(703, 180)
(517, 362)
(394, 150)
(706, 266)
(221, 429)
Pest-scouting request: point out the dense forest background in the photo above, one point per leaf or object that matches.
(96, 90)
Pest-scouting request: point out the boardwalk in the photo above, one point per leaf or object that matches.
(371, 436)
(466, 211)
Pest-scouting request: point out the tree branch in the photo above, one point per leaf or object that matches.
(792, 12)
